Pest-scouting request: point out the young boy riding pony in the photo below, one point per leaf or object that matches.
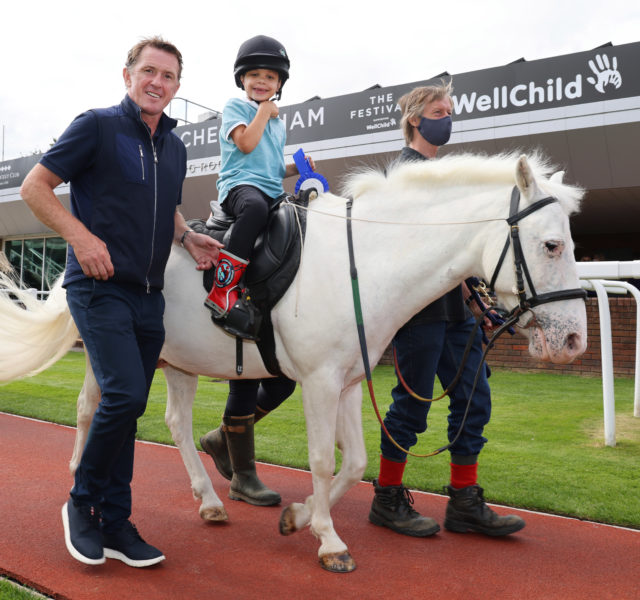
(252, 139)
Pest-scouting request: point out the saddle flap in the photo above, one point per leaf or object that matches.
(272, 245)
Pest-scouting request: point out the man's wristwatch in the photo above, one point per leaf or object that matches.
(184, 236)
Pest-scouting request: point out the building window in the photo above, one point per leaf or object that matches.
(38, 262)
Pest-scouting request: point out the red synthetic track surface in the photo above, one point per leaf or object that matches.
(551, 558)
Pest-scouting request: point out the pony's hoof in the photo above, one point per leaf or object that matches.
(287, 523)
(216, 513)
(338, 562)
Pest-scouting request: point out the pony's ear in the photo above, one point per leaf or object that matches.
(524, 179)
(557, 177)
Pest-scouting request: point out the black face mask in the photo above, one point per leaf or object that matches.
(435, 131)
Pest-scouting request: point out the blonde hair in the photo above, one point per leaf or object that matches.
(412, 103)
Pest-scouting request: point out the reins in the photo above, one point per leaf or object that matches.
(524, 304)
(458, 374)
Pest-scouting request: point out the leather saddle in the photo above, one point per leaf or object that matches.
(274, 260)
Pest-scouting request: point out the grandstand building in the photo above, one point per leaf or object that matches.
(581, 110)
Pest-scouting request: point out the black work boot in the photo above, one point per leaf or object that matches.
(245, 484)
(391, 507)
(467, 511)
(214, 444)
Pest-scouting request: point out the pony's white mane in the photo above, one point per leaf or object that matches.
(462, 170)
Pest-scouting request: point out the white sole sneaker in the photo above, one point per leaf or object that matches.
(70, 547)
(110, 553)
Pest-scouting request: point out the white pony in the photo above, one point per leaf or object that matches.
(418, 232)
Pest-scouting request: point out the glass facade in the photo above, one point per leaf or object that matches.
(38, 261)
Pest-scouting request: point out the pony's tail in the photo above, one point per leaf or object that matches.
(33, 334)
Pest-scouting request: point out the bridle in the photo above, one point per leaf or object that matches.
(520, 264)
(524, 303)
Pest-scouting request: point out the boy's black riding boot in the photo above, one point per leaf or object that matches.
(245, 484)
(214, 444)
(467, 511)
(391, 507)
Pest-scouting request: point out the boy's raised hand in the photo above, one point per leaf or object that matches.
(269, 107)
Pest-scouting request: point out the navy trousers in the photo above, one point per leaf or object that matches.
(424, 351)
(123, 333)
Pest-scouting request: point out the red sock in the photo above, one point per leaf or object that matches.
(464, 475)
(391, 472)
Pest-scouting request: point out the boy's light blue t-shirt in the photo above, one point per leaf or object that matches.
(264, 167)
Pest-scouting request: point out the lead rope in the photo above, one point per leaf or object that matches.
(459, 372)
(355, 288)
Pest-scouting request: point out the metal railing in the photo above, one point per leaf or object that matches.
(188, 107)
(604, 277)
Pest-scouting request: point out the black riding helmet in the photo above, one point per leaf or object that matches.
(262, 52)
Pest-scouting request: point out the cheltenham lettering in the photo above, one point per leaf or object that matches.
(297, 119)
(519, 95)
(200, 137)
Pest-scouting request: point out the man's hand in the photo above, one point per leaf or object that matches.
(203, 249)
(476, 311)
(93, 256)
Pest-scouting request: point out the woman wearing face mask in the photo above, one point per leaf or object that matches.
(432, 343)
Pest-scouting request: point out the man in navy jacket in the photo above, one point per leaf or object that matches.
(126, 169)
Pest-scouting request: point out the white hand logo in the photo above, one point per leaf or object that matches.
(605, 73)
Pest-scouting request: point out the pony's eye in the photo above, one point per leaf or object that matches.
(554, 247)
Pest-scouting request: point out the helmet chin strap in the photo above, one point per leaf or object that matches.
(275, 97)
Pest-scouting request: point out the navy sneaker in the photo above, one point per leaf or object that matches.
(127, 545)
(82, 534)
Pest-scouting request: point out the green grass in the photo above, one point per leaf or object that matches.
(14, 591)
(545, 449)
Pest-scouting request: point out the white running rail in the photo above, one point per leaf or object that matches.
(604, 277)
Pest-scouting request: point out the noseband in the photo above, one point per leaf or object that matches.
(520, 264)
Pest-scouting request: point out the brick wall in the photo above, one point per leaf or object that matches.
(511, 352)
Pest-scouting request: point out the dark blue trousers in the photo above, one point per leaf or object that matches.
(424, 351)
(123, 333)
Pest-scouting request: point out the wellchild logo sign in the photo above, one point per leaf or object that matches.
(519, 87)
(524, 86)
